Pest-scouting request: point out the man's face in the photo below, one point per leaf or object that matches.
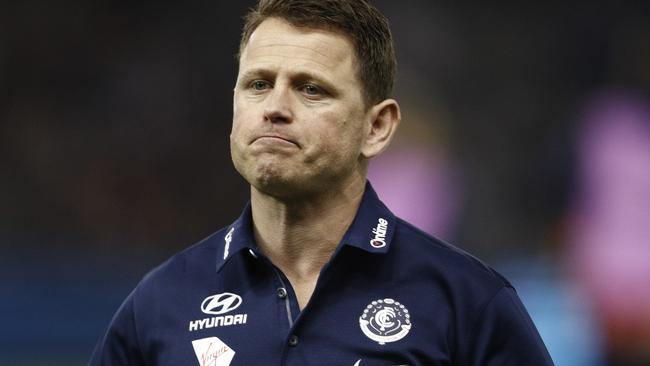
(299, 118)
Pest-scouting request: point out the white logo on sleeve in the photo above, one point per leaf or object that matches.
(380, 234)
(212, 352)
(228, 239)
(385, 321)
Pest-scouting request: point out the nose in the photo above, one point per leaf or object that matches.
(278, 106)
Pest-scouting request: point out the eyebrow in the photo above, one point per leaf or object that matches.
(256, 73)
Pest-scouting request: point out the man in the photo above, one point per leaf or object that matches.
(317, 271)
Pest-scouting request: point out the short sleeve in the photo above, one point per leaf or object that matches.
(119, 346)
(505, 335)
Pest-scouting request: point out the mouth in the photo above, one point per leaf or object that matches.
(275, 139)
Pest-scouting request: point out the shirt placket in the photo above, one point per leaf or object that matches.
(287, 302)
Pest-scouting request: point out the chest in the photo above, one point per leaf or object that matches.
(354, 319)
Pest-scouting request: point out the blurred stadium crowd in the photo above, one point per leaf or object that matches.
(525, 140)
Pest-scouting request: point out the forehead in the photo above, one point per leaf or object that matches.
(276, 41)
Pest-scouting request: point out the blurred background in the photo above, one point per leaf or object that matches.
(525, 140)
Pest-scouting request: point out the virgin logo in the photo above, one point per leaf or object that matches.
(221, 303)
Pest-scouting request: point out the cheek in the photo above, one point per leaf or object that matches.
(241, 110)
(234, 134)
(239, 118)
(238, 137)
(351, 132)
(343, 140)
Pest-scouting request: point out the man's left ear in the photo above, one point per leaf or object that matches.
(384, 119)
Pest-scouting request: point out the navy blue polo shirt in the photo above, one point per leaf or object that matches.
(390, 295)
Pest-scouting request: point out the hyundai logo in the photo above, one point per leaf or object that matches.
(220, 303)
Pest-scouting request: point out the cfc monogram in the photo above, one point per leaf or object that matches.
(385, 321)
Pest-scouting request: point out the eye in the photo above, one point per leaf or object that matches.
(312, 90)
(260, 85)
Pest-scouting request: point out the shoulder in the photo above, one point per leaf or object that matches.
(457, 286)
(465, 275)
(194, 262)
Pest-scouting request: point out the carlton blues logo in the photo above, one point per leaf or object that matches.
(385, 321)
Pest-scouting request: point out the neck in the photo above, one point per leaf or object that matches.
(300, 236)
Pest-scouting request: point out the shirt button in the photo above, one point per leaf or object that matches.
(293, 340)
(282, 292)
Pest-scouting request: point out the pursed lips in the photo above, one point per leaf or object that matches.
(272, 137)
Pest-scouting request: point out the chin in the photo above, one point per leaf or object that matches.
(273, 180)
(279, 189)
(282, 180)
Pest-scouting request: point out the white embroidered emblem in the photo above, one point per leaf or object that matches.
(228, 239)
(219, 304)
(379, 240)
(385, 321)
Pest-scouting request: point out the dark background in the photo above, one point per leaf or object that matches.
(114, 124)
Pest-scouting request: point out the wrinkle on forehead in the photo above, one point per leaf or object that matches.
(275, 61)
(277, 38)
(281, 44)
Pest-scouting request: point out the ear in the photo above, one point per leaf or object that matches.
(384, 119)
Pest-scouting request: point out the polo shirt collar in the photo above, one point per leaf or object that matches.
(238, 237)
(373, 226)
(371, 230)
